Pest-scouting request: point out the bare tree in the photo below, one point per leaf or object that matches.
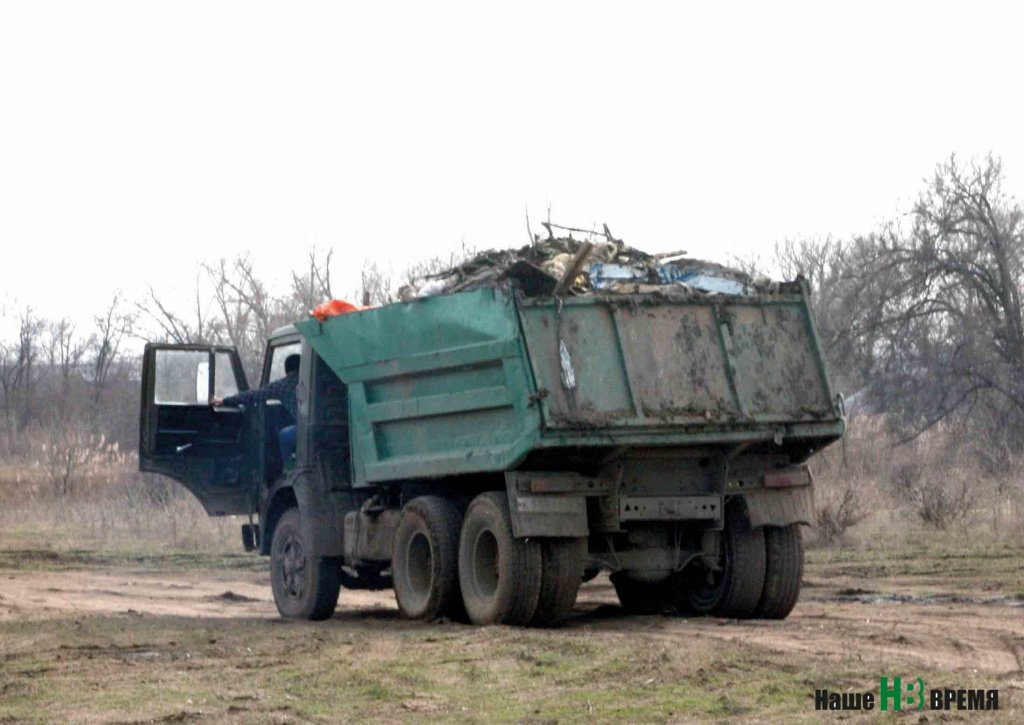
(250, 312)
(376, 285)
(313, 286)
(112, 327)
(174, 327)
(938, 308)
(18, 375)
(64, 350)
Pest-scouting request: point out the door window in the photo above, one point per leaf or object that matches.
(182, 377)
(178, 374)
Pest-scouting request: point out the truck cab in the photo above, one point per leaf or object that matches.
(231, 460)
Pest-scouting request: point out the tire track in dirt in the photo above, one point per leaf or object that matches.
(948, 636)
(42, 594)
(953, 637)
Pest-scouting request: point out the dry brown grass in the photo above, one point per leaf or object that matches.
(109, 505)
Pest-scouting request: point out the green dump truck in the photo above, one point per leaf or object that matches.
(484, 452)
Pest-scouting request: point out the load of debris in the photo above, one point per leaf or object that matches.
(563, 266)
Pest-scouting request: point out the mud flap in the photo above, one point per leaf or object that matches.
(561, 511)
(780, 507)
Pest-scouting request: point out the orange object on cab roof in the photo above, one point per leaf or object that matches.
(334, 308)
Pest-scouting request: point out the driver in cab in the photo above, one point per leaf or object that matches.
(282, 389)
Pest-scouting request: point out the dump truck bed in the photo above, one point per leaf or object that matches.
(477, 381)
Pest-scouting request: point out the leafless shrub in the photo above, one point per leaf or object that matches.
(928, 482)
(839, 514)
(906, 479)
(941, 503)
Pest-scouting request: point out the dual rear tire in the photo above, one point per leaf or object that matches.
(472, 567)
(561, 577)
(424, 560)
(505, 580)
(784, 570)
(734, 588)
(500, 576)
(757, 576)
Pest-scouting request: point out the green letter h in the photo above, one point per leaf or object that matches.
(890, 695)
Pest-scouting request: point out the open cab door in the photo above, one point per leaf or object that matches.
(206, 449)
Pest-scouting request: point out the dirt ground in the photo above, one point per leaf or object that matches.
(94, 638)
(940, 632)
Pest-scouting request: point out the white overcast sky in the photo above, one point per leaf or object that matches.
(140, 138)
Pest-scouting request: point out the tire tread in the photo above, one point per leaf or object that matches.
(783, 572)
(519, 588)
(443, 520)
(561, 576)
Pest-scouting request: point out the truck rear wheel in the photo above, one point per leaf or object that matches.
(734, 589)
(784, 568)
(305, 585)
(500, 575)
(425, 559)
(561, 576)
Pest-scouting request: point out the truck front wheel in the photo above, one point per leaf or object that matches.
(500, 575)
(305, 585)
(425, 559)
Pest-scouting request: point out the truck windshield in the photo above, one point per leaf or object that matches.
(277, 358)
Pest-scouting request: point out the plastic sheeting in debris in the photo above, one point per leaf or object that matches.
(608, 276)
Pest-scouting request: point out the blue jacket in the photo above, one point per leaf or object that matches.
(282, 389)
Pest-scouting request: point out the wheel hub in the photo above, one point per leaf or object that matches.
(293, 567)
(419, 567)
(486, 566)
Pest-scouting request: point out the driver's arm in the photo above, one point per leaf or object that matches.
(251, 397)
